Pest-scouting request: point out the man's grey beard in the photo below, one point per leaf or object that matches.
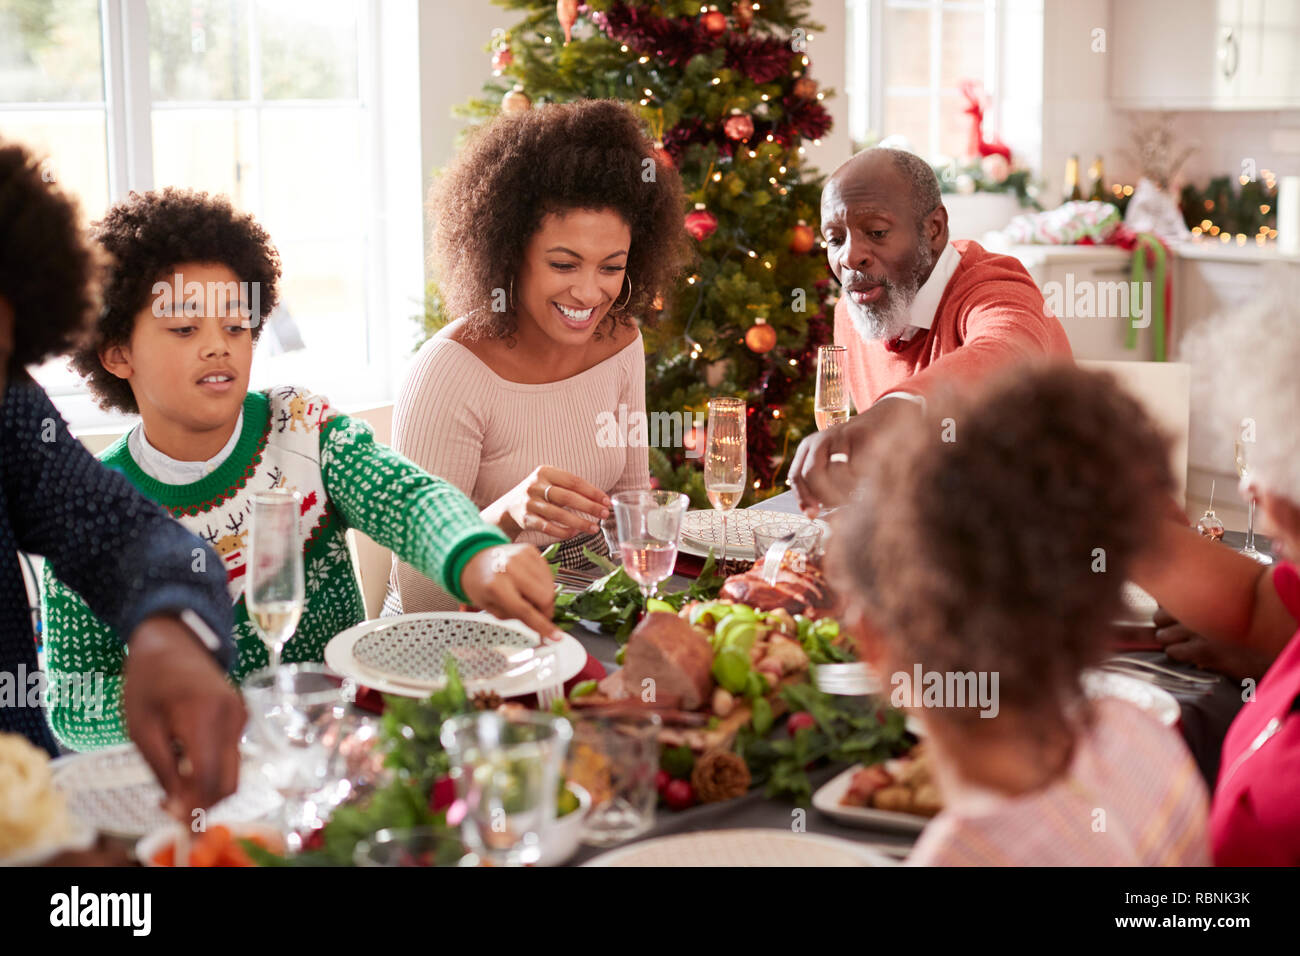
(872, 322)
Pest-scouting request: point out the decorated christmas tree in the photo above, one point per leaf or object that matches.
(725, 91)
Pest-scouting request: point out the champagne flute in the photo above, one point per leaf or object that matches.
(724, 459)
(648, 525)
(831, 404)
(1243, 471)
(274, 593)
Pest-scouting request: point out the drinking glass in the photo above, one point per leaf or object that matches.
(831, 403)
(274, 593)
(648, 525)
(414, 846)
(1243, 471)
(616, 758)
(507, 771)
(801, 550)
(724, 459)
(294, 713)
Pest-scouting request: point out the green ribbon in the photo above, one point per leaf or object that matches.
(1148, 242)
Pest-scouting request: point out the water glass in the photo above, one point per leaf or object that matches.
(507, 772)
(616, 758)
(649, 523)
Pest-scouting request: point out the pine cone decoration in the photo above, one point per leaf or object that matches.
(486, 700)
(719, 775)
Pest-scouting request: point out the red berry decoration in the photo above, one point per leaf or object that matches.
(738, 126)
(801, 238)
(679, 795)
(501, 59)
(662, 779)
(798, 721)
(701, 223)
(715, 22)
(761, 337)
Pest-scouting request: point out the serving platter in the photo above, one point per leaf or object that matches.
(827, 800)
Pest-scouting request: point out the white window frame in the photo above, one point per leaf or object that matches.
(866, 66)
(128, 106)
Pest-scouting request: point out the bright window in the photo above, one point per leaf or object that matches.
(907, 59)
(271, 102)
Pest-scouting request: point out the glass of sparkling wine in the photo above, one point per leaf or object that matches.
(724, 459)
(274, 592)
(648, 525)
(1243, 471)
(831, 404)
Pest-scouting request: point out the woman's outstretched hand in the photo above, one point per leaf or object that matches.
(551, 501)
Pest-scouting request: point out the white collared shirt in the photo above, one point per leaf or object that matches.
(925, 306)
(168, 470)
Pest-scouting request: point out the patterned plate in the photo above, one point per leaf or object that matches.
(743, 848)
(114, 791)
(407, 654)
(702, 530)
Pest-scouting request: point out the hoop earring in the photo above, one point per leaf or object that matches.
(620, 308)
(512, 293)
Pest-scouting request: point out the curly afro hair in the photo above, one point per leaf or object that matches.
(48, 271)
(147, 235)
(979, 546)
(589, 154)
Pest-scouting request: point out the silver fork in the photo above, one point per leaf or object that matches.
(775, 555)
(1160, 669)
(551, 689)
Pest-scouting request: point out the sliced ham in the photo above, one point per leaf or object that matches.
(799, 592)
(677, 657)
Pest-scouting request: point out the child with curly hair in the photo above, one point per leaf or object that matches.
(990, 540)
(191, 282)
(118, 553)
(554, 228)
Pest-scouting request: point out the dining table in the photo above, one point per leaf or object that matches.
(1206, 710)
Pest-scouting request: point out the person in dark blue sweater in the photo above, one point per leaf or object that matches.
(138, 569)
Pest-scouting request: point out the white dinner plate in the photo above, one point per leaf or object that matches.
(115, 792)
(1156, 701)
(745, 847)
(404, 655)
(702, 530)
(827, 800)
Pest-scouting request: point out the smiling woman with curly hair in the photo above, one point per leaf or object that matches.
(554, 230)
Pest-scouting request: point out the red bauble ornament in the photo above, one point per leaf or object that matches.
(801, 238)
(738, 126)
(701, 223)
(516, 101)
(744, 14)
(567, 12)
(715, 22)
(501, 59)
(805, 87)
(663, 156)
(761, 337)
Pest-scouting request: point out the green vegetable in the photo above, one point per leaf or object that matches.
(655, 605)
(714, 722)
(741, 612)
(678, 762)
(618, 658)
(731, 669)
(847, 729)
(566, 801)
(582, 689)
(736, 632)
(762, 716)
(755, 684)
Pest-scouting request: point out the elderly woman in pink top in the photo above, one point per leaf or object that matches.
(554, 229)
(1247, 391)
(974, 549)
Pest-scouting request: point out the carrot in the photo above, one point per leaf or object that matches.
(166, 856)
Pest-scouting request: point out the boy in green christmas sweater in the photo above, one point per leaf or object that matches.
(190, 283)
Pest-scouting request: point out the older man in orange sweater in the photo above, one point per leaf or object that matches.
(917, 309)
